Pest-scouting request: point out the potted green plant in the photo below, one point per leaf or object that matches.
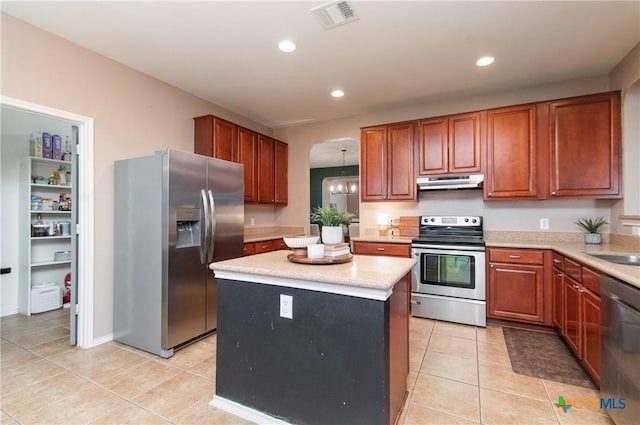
(591, 226)
(331, 219)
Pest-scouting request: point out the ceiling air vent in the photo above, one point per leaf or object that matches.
(334, 13)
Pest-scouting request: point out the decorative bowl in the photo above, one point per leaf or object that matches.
(300, 241)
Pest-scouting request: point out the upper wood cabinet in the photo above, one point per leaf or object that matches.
(215, 137)
(248, 156)
(584, 133)
(266, 150)
(281, 173)
(512, 153)
(265, 160)
(387, 162)
(449, 144)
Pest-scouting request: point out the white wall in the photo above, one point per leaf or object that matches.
(133, 114)
(16, 129)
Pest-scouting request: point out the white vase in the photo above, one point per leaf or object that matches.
(332, 234)
(592, 238)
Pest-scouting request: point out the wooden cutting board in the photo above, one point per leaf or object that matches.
(408, 225)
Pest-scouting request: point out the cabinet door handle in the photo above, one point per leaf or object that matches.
(580, 290)
(514, 256)
(553, 193)
(555, 260)
(490, 193)
(558, 274)
(380, 249)
(575, 286)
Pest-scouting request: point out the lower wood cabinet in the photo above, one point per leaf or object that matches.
(259, 247)
(516, 287)
(382, 248)
(577, 300)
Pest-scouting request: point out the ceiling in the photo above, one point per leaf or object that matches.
(396, 53)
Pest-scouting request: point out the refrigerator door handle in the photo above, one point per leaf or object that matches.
(212, 235)
(204, 228)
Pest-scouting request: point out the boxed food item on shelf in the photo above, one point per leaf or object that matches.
(35, 145)
(56, 141)
(47, 146)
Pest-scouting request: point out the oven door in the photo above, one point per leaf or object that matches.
(449, 271)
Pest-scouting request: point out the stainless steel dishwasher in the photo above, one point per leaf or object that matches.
(620, 336)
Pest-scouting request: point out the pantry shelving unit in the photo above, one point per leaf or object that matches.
(37, 252)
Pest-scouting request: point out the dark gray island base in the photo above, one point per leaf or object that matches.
(342, 357)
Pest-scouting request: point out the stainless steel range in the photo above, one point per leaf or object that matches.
(449, 276)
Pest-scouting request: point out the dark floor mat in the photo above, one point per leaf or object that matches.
(545, 356)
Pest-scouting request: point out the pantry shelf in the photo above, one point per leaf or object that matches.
(40, 203)
(50, 263)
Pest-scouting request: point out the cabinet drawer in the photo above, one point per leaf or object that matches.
(591, 280)
(279, 244)
(381, 248)
(573, 269)
(265, 246)
(249, 249)
(519, 256)
(557, 261)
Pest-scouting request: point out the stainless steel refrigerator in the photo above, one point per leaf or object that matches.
(175, 213)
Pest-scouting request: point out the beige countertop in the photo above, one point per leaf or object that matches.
(265, 233)
(579, 251)
(387, 239)
(365, 274)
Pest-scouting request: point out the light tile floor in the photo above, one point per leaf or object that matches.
(458, 375)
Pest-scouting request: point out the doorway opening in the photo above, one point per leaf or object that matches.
(82, 289)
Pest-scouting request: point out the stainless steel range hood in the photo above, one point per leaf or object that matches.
(447, 182)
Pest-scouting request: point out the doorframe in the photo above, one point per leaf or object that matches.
(85, 207)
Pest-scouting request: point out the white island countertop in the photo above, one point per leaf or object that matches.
(365, 276)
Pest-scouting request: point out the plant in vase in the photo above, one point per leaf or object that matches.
(331, 219)
(591, 226)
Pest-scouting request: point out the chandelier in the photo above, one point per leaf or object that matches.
(343, 186)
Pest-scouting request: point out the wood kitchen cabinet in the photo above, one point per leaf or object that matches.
(382, 248)
(558, 290)
(259, 247)
(449, 144)
(517, 285)
(273, 175)
(248, 156)
(387, 162)
(281, 173)
(266, 188)
(584, 135)
(512, 166)
(265, 160)
(215, 137)
(580, 325)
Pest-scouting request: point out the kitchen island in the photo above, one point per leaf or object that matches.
(312, 344)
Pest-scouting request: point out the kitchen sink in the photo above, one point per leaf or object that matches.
(630, 260)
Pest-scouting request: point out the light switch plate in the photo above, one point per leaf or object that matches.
(286, 306)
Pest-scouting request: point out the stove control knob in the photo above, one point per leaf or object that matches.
(474, 220)
(433, 220)
(466, 220)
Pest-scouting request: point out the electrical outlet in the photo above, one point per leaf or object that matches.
(544, 224)
(252, 221)
(286, 306)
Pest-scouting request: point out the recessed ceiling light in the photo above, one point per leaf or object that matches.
(485, 60)
(337, 93)
(287, 46)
